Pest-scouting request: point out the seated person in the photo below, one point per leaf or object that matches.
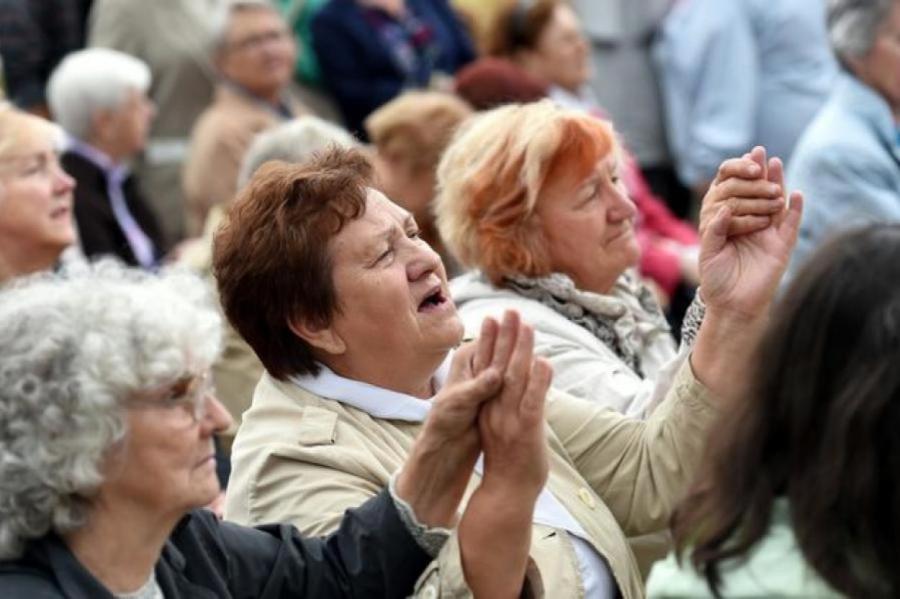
(848, 159)
(356, 350)
(797, 495)
(36, 223)
(99, 96)
(409, 134)
(107, 418)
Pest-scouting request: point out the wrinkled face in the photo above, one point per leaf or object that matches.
(561, 54)
(395, 306)
(128, 125)
(588, 226)
(35, 196)
(880, 68)
(259, 51)
(167, 462)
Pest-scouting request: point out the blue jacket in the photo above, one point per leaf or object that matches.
(358, 68)
(847, 163)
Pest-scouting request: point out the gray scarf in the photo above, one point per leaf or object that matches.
(626, 320)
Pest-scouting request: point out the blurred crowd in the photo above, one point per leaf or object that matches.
(492, 298)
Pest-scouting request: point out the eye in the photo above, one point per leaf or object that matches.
(385, 255)
(413, 233)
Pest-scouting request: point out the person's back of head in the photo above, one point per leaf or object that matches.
(818, 427)
(490, 82)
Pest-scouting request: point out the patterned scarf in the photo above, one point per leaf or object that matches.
(626, 319)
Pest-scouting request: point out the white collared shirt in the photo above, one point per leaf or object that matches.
(393, 405)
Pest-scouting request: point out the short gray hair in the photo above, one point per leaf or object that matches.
(853, 25)
(91, 80)
(73, 347)
(294, 141)
(221, 18)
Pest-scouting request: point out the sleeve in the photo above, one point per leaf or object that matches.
(640, 469)
(356, 91)
(371, 554)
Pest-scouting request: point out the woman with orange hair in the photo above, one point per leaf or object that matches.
(531, 197)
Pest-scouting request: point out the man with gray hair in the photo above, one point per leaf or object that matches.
(848, 161)
(254, 54)
(99, 96)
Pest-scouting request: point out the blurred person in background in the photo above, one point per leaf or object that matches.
(798, 492)
(237, 369)
(106, 424)
(369, 51)
(531, 197)
(736, 74)
(490, 82)
(254, 54)
(409, 134)
(99, 96)
(545, 39)
(174, 38)
(625, 82)
(34, 36)
(36, 223)
(357, 353)
(849, 157)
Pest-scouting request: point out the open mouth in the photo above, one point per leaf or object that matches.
(433, 301)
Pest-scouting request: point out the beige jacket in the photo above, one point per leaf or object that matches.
(219, 141)
(305, 459)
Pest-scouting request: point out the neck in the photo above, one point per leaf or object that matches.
(412, 379)
(121, 557)
(16, 261)
(269, 96)
(114, 153)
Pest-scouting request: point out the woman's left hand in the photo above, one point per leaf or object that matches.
(739, 274)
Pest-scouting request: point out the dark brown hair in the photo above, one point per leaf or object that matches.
(271, 259)
(819, 427)
(518, 26)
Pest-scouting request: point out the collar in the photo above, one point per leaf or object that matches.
(282, 109)
(869, 104)
(99, 158)
(375, 401)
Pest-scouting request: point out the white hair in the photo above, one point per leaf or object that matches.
(294, 141)
(853, 25)
(73, 347)
(221, 18)
(91, 80)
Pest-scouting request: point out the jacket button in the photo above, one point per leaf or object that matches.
(586, 498)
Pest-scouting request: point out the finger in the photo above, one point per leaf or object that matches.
(716, 234)
(776, 172)
(469, 393)
(790, 226)
(758, 154)
(531, 409)
(743, 225)
(516, 378)
(743, 168)
(485, 348)
(506, 340)
(746, 188)
(753, 206)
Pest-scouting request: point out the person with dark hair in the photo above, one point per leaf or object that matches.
(349, 311)
(370, 51)
(798, 493)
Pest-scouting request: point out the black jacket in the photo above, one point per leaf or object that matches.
(372, 554)
(98, 229)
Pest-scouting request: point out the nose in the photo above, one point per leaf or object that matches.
(424, 261)
(62, 182)
(217, 419)
(622, 207)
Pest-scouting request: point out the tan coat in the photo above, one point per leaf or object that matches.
(220, 139)
(304, 459)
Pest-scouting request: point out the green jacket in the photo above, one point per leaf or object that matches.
(299, 15)
(775, 568)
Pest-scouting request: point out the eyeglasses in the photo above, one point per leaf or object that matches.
(189, 395)
(257, 41)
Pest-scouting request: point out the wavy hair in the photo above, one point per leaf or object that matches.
(73, 346)
(817, 427)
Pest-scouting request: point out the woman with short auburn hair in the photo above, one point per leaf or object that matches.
(532, 197)
(350, 313)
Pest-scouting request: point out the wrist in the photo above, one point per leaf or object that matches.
(426, 484)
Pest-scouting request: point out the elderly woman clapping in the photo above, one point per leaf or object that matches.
(36, 223)
(350, 313)
(532, 197)
(106, 425)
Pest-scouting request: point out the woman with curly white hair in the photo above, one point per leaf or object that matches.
(106, 427)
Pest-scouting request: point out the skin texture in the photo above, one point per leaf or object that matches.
(561, 55)
(382, 267)
(588, 226)
(35, 203)
(259, 52)
(122, 132)
(880, 68)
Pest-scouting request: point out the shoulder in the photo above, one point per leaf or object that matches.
(22, 580)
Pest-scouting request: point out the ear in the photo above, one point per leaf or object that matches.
(325, 339)
(101, 123)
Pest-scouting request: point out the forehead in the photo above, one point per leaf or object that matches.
(26, 136)
(252, 18)
(380, 216)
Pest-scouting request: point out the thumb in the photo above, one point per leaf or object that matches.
(790, 226)
(716, 234)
